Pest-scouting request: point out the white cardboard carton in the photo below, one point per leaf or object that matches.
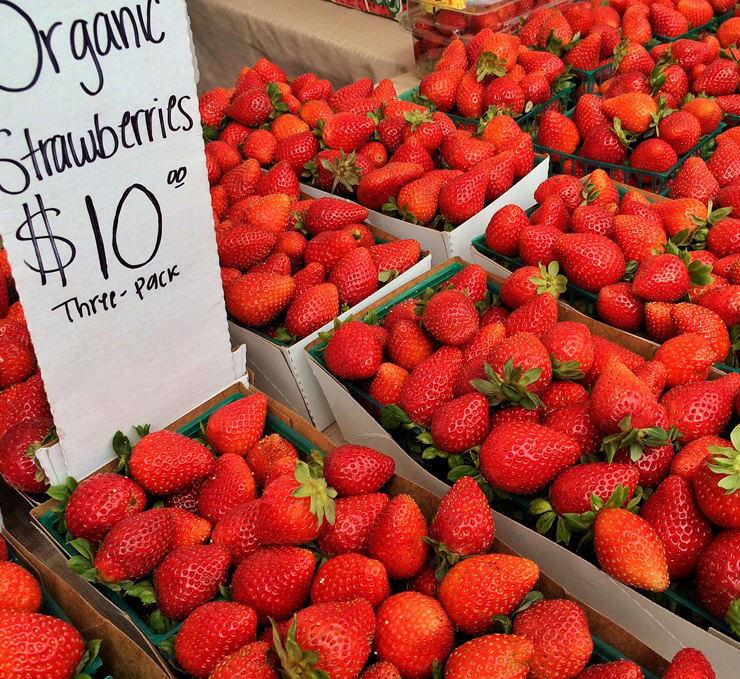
(283, 373)
(456, 243)
(665, 632)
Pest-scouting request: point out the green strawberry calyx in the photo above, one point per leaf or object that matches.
(732, 617)
(637, 439)
(489, 63)
(557, 47)
(418, 98)
(625, 137)
(417, 118)
(699, 236)
(657, 78)
(590, 193)
(512, 388)
(444, 559)
(82, 564)
(92, 648)
(550, 280)
(620, 52)
(726, 463)
(489, 115)
(507, 622)
(279, 107)
(316, 489)
(62, 493)
(122, 448)
(393, 208)
(566, 370)
(296, 663)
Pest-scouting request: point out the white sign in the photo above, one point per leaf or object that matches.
(106, 215)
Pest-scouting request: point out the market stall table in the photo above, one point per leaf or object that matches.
(334, 42)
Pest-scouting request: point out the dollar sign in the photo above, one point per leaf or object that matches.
(47, 239)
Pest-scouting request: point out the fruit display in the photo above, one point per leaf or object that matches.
(644, 267)
(550, 417)
(36, 638)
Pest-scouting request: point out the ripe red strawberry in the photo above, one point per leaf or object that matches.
(18, 465)
(524, 284)
(348, 577)
(417, 201)
(593, 219)
(478, 588)
(588, 113)
(17, 362)
(523, 152)
(450, 317)
(661, 278)
(19, 590)
(715, 485)
(604, 145)
(396, 539)
(285, 519)
(347, 131)
(242, 245)
(313, 309)
(523, 458)
(386, 385)
(165, 462)
(274, 581)
(357, 470)
(617, 669)
(131, 549)
(629, 550)
(297, 150)
(355, 277)
(689, 662)
(491, 655)
(561, 394)
(377, 187)
(701, 408)
(504, 229)
(255, 660)
(328, 248)
(552, 212)
(187, 498)
(40, 644)
(694, 180)
(558, 133)
(463, 522)
(589, 261)
(483, 342)
(251, 108)
(235, 531)
(687, 358)
(674, 514)
(280, 178)
(256, 299)
(408, 344)
(558, 629)
(212, 632)
(355, 517)
(413, 633)
(353, 352)
(188, 528)
(189, 577)
(441, 86)
(463, 197)
(397, 256)
(572, 489)
(535, 316)
(585, 54)
(236, 427)
(716, 576)
(619, 307)
(473, 281)
(212, 105)
(230, 485)
(461, 423)
(524, 351)
(337, 634)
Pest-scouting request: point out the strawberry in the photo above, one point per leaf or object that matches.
(348, 577)
(723, 238)
(593, 219)
(383, 669)
(715, 487)
(500, 171)
(347, 131)
(131, 549)
(526, 283)
(260, 145)
(472, 281)
(695, 180)
(617, 669)
(408, 344)
(454, 56)
(362, 235)
(251, 108)
(188, 529)
(725, 162)
(523, 458)
(504, 229)
(19, 590)
(689, 662)
(236, 427)
(258, 298)
(706, 111)
(357, 470)
(226, 157)
(390, 133)
(588, 113)
(716, 577)
(690, 318)
(377, 187)
(461, 423)
(718, 78)
(561, 394)
(274, 581)
(212, 105)
(332, 214)
(187, 498)
(558, 133)
(725, 302)
(353, 352)
(355, 517)
(521, 352)
(552, 212)
(535, 317)
(398, 256)
(17, 362)
(662, 278)
(40, 644)
(558, 630)
(312, 309)
(297, 150)
(629, 550)
(463, 197)
(494, 655)
(585, 54)
(450, 317)
(18, 464)
(674, 514)
(386, 385)
(653, 374)
(235, 531)
(480, 587)
(332, 639)
(653, 155)
(667, 22)
(417, 201)
(241, 245)
(280, 178)
(589, 261)
(413, 633)
(618, 306)
(285, 519)
(701, 408)
(355, 277)
(230, 485)
(687, 358)
(212, 632)
(396, 539)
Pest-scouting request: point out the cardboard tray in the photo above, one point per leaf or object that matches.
(662, 630)
(283, 372)
(456, 243)
(611, 641)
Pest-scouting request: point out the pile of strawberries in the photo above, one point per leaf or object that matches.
(634, 255)
(361, 142)
(36, 643)
(258, 517)
(493, 74)
(25, 415)
(523, 403)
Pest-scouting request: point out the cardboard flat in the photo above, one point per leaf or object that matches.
(662, 630)
(106, 217)
(456, 243)
(282, 372)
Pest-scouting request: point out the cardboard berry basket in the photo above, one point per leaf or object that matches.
(121, 654)
(501, 265)
(456, 243)
(653, 622)
(611, 642)
(656, 182)
(282, 370)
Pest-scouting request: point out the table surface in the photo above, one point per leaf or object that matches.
(334, 42)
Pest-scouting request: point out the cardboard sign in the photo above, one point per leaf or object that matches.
(106, 216)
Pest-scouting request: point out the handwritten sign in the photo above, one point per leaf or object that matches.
(105, 213)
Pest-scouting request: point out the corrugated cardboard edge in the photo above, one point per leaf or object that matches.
(122, 656)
